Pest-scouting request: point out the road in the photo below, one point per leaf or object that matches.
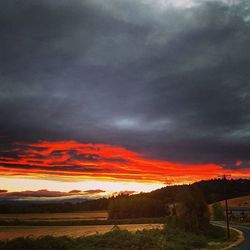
(246, 244)
(246, 230)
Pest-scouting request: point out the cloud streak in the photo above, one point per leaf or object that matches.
(46, 194)
(73, 160)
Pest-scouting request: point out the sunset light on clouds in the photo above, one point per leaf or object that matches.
(122, 95)
(72, 160)
(70, 166)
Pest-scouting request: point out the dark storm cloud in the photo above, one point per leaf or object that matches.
(170, 82)
(61, 169)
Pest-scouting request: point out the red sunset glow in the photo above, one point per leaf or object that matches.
(74, 160)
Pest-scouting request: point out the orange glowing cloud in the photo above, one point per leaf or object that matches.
(76, 161)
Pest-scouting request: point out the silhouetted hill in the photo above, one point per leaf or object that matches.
(217, 189)
(213, 190)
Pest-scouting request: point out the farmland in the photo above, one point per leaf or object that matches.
(85, 215)
(243, 201)
(23, 230)
(11, 232)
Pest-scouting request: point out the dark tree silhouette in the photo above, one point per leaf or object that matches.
(193, 210)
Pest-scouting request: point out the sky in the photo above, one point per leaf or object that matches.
(101, 97)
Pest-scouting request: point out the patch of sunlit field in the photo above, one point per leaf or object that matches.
(243, 201)
(85, 215)
(11, 232)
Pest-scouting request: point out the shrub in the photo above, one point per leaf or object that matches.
(218, 212)
(215, 233)
(193, 210)
(177, 237)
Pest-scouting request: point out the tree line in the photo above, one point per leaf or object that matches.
(152, 204)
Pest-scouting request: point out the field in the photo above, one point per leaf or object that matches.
(45, 231)
(243, 201)
(85, 215)
(11, 232)
(174, 238)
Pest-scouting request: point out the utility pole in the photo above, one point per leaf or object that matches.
(226, 205)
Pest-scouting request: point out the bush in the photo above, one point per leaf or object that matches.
(193, 210)
(218, 212)
(177, 238)
(215, 233)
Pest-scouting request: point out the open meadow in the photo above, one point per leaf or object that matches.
(11, 232)
(22, 230)
(85, 215)
(243, 201)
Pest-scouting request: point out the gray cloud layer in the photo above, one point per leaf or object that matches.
(171, 82)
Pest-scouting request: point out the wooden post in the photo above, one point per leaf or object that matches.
(226, 206)
(228, 229)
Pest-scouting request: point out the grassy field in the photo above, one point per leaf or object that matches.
(243, 201)
(85, 215)
(166, 239)
(11, 232)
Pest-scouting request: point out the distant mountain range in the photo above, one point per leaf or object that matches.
(42, 201)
